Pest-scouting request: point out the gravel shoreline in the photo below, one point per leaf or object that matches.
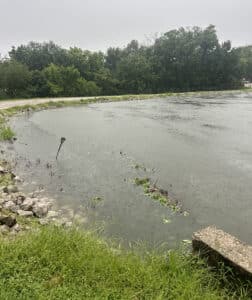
(15, 204)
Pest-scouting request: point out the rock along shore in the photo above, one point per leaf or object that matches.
(15, 205)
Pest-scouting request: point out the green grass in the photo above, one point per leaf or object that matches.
(6, 133)
(5, 179)
(53, 263)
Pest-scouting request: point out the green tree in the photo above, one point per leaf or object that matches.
(66, 81)
(107, 82)
(37, 56)
(135, 74)
(14, 79)
(86, 62)
(245, 56)
(113, 58)
(193, 59)
(38, 85)
(184, 59)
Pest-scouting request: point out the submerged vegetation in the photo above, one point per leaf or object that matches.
(55, 263)
(179, 60)
(160, 195)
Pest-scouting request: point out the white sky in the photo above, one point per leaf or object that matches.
(98, 24)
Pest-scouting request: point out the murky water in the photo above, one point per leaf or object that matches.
(199, 149)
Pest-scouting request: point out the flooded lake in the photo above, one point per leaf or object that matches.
(198, 149)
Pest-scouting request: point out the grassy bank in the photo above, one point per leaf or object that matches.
(53, 263)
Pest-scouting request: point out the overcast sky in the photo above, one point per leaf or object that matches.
(98, 24)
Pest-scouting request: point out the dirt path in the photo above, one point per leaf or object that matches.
(11, 103)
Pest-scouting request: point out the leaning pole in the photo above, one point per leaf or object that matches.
(62, 140)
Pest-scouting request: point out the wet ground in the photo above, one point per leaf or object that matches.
(198, 149)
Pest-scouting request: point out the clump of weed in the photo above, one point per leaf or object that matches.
(140, 167)
(96, 199)
(2, 120)
(159, 195)
(142, 181)
(5, 179)
(6, 133)
(6, 176)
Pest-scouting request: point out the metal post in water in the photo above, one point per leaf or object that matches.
(62, 140)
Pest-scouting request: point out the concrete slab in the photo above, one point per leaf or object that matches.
(219, 245)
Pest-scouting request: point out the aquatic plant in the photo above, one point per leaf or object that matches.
(158, 194)
(6, 133)
(95, 201)
(142, 181)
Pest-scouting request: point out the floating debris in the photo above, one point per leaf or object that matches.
(159, 195)
(95, 201)
(48, 165)
(166, 221)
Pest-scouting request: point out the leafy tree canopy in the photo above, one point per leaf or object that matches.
(185, 59)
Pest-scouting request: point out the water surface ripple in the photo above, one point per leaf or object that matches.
(199, 149)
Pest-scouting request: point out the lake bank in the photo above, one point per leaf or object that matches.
(156, 277)
(200, 156)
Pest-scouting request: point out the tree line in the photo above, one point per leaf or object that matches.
(179, 60)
